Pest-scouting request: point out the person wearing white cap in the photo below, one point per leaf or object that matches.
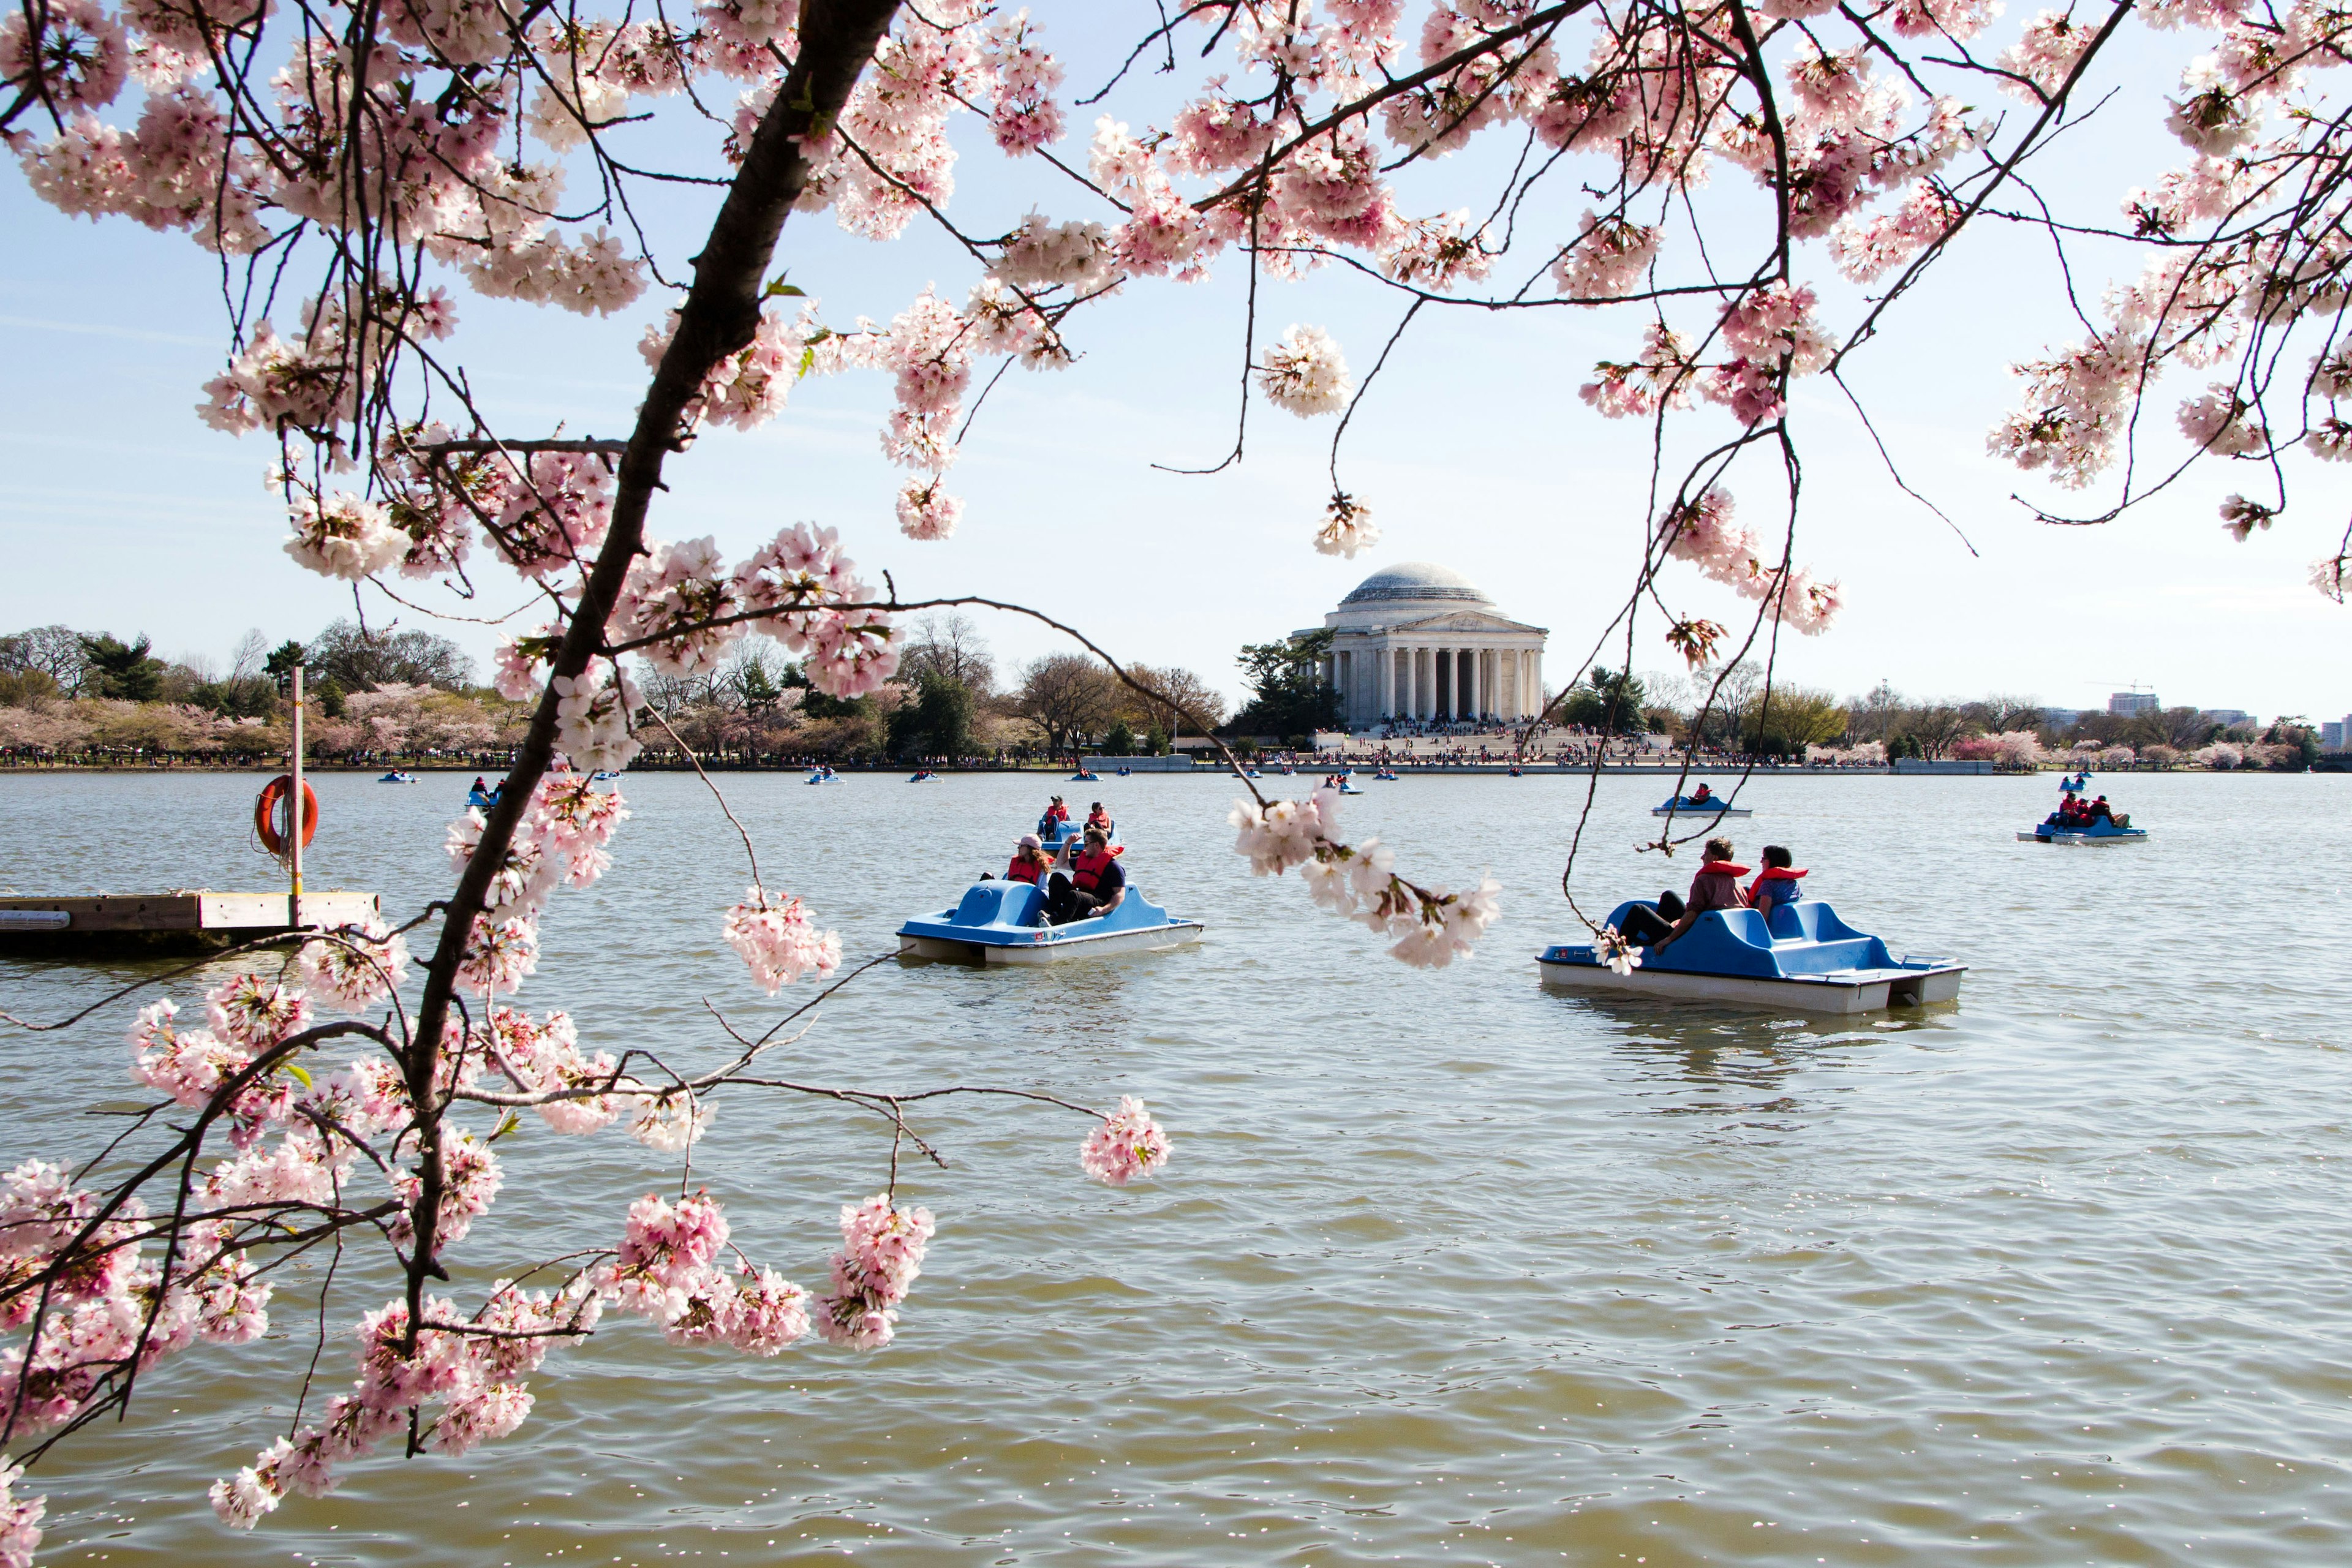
(1030, 861)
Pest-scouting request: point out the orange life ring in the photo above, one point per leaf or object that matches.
(265, 813)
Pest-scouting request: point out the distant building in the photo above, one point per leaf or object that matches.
(2125, 702)
(2229, 718)
(1418, 641)
(2331, 735)
(2062, 718)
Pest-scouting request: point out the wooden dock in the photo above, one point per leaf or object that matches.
(187, 920)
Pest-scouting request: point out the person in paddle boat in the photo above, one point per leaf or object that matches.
(2101, 810)
(1715, 887)
(1055, 813)
(1097, 818)
(1093, 886)
(1702, 794)
(2073, 813)
(1030, 861)
(1776, 884)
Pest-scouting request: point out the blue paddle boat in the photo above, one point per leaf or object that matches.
(921, 775)
(1690, 805)
(481, 800)
(822, 776)
(1004, 922)
(1802, 959)
(397, 776)
(1386, 775)
(1086, 778)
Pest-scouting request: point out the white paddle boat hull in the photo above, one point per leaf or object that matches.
(1702, 811)
(1837, 995)
(1053, 944)
(2130, 835)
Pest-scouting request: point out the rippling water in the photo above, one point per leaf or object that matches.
(1446, 1268)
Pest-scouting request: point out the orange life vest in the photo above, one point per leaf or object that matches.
(1022, 871)
(1088, 870)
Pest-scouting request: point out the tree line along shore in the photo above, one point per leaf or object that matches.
(389, 698)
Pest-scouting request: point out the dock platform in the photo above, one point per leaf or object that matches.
(185, 920)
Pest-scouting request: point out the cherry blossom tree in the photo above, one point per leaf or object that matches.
(1694, 172)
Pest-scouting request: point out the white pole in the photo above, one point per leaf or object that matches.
(294, 812)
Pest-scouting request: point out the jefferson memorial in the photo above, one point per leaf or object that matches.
(1419, 642)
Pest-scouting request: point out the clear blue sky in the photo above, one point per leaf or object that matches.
(124, 513)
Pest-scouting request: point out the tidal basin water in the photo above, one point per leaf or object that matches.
(1446, 1268)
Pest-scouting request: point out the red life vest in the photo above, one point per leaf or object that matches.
(1022, 871)
(1097, 819)
(1058, 813)
(1087, 870)
(1772, 874)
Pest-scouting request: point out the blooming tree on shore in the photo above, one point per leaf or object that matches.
(363, 169)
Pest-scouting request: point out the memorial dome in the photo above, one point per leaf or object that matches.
(1416, 582)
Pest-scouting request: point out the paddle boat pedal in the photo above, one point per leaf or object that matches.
(2119, 831)
(1004, 922)
(1713, 806)
(1804, 960)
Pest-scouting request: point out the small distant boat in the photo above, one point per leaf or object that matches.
(1803, 959)
(822, 776)
(1004, 922)
(1252, 773)
(477, 801)
(600, 777)
(1516, 772)
(1086, 778)
(2119, 831)
(1126, 772)
(397, 776)
(1713, 806)
(921, 775)
(1384, 776)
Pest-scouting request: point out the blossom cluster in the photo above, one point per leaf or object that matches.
(882, 1248)
(778, 942)
(1128, 1145)
(1703, 532)
(1432, 927)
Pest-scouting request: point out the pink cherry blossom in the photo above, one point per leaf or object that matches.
(778, 942)
(1346, 528)
(882, 1252)
(1128, 1143)
(1305, 374)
